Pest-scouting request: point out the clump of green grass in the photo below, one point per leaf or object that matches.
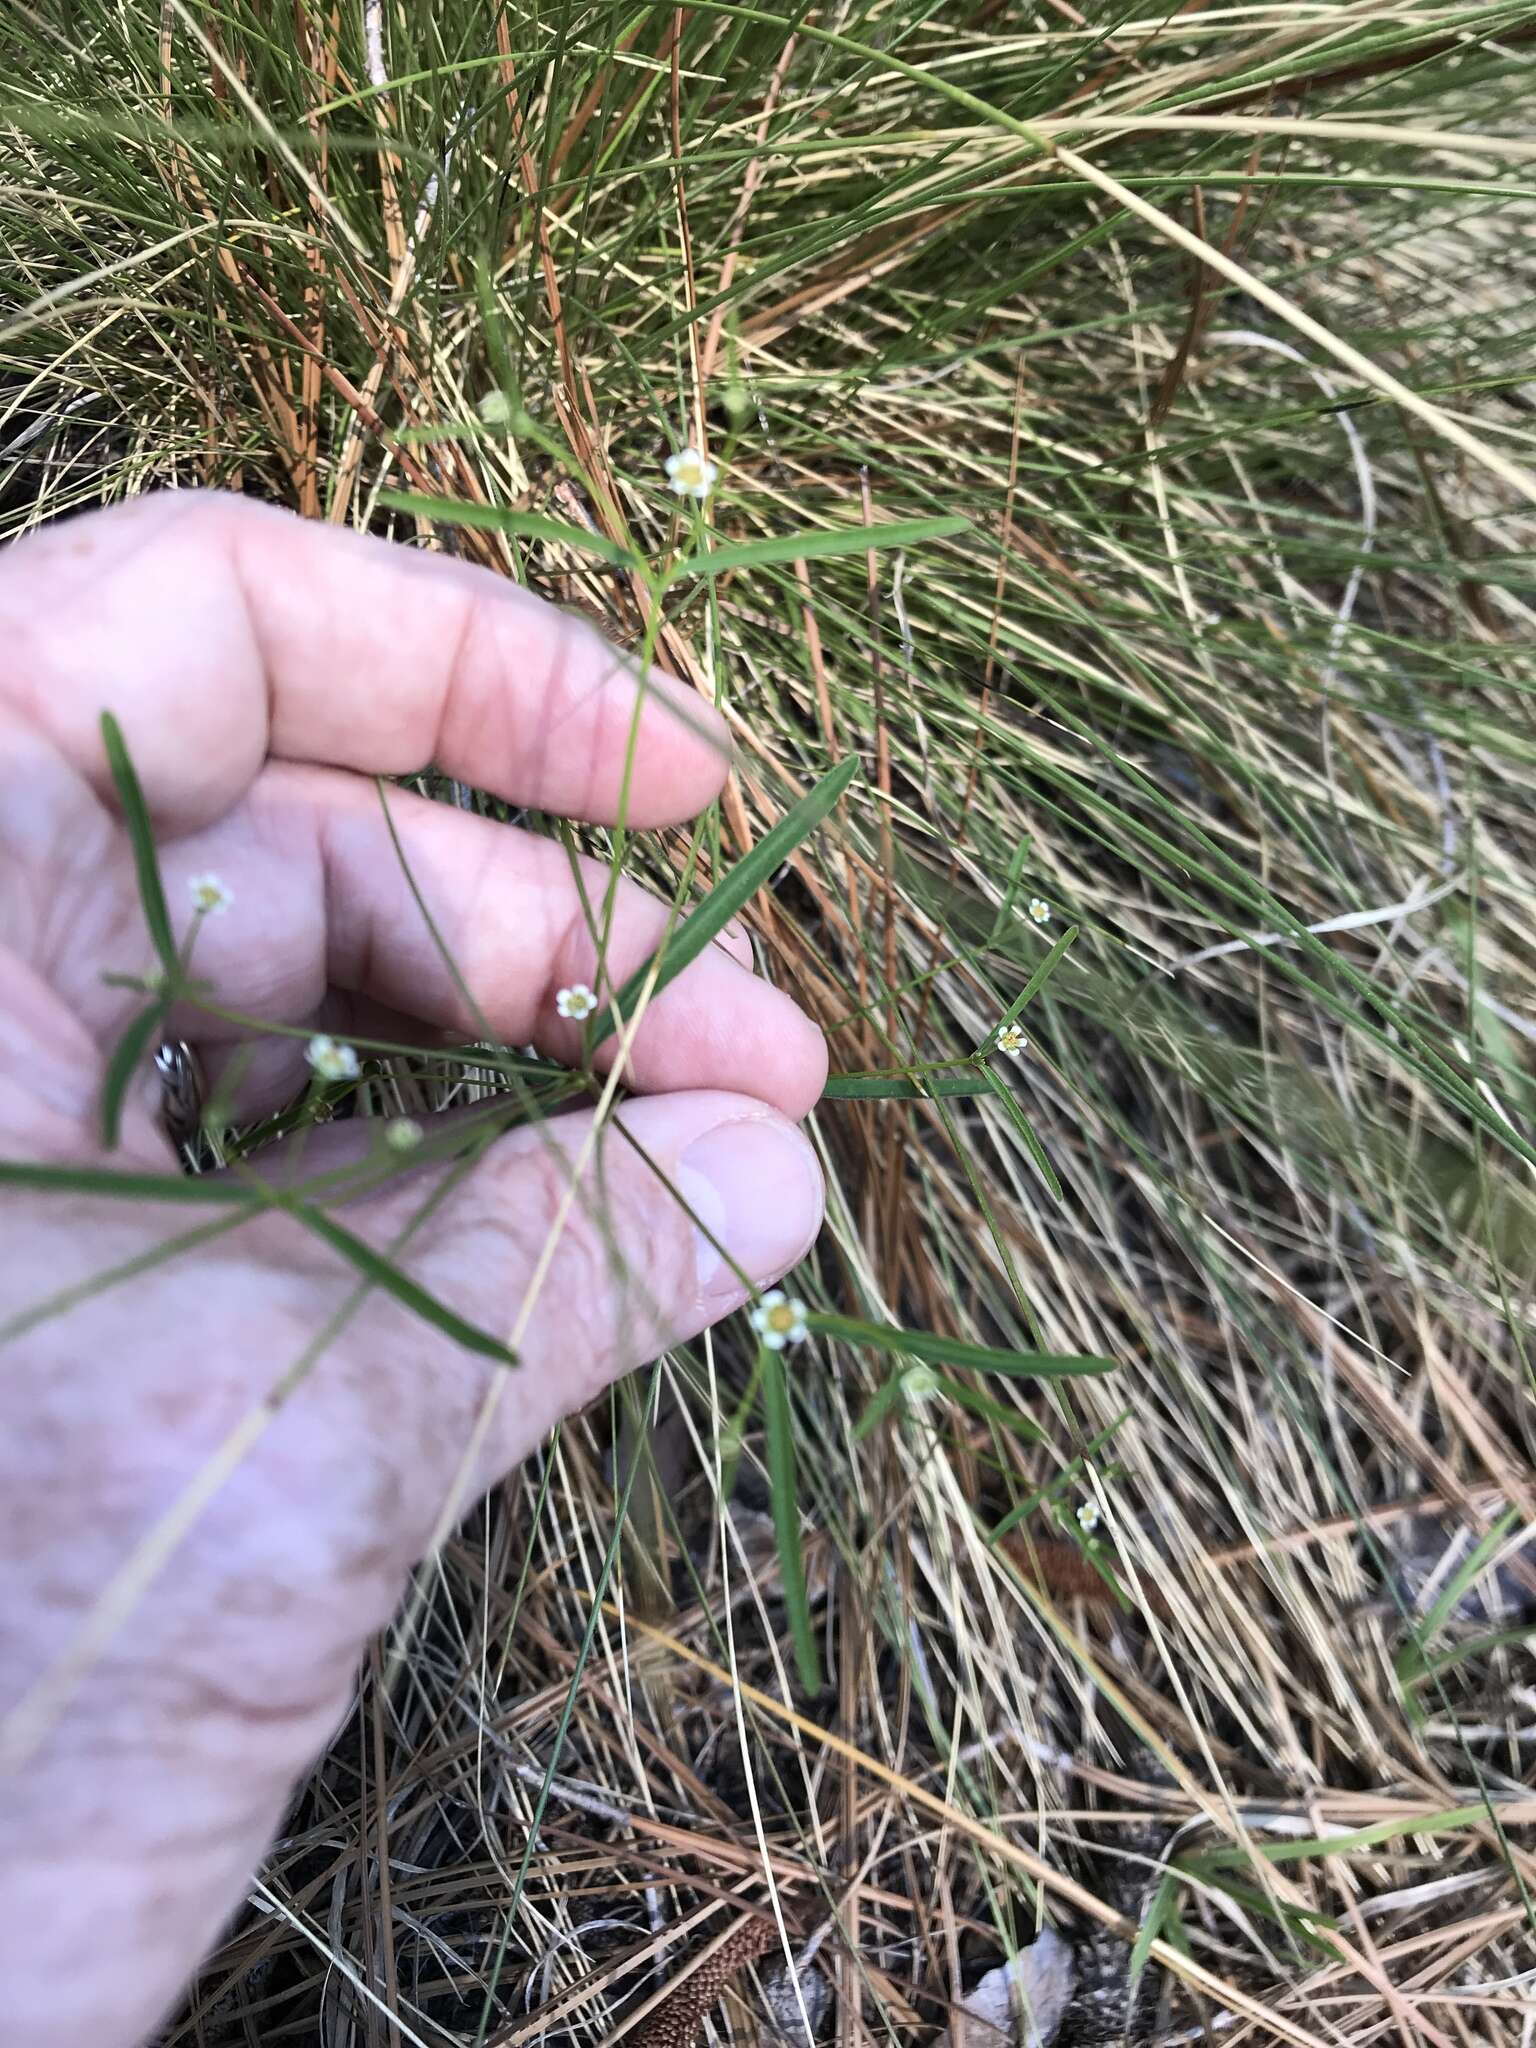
(1215, 328)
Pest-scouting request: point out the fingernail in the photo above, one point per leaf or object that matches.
(755, 1187)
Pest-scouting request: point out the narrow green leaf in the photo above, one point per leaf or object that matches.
(493, 330)
(1449, 1821)
(881, 1403)
(1414, 1661)
(1176, 1934)
(779, 1429)
(936, 1350)
(126, 1055)
(228, 1190)
(141, 836)
(687, 940)
(446, 430)
(1475, 1646)
(502, 519)
(898, 1087)
(194, 1188)
(992, 1411)
(231, 1190)
(1303, 1924)
(899, 1390)
(1160, 1909)
(1039, 978)
(815, 543)
(733, 1432)
(1059, 1486)
(1005, 1095)
(1010, 893)
(377, 1269)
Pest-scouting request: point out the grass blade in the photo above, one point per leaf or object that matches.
(1160, 1910)
(126, 1055)
(198, 1188)
(687, 941)
(884, 1401)
(1039, 978)
(1010, 892)
(408, 1292)
(1350, 1842)
(1057, 1490)
(1005, 1095)
(1306, 1928)
(1414, 1659)
(898, 1087)
(502, 519)
(141, 836)
(992, 1411)
(779, 1429)
(1476, 1646)
(233, 1191)
(936, 1350)
(816, 543)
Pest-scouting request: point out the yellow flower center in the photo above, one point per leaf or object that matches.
(781, 1318)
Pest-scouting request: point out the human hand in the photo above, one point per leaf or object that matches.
(153, 1719)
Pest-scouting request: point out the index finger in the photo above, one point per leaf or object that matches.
(220, 631)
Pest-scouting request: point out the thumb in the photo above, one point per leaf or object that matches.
(179, 1742)
(595, 1249)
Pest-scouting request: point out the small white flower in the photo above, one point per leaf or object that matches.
(1011, 1040)
(495, 409)
(577, 1001)
(402, 1134)
(691, 474)
(1039, 910)
(210, 896)
(332, 1060)
(1088, 1516)
(778, 1320)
